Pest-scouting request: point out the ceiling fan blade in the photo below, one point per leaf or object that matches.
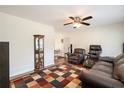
(68, 23)
(71, 17)
(86, 18)
(85, 23)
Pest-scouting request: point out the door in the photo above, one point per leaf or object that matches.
(4, 64)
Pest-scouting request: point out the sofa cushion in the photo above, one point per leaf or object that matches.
(103, 68)
(74, 57)
(98, 72)
(117, 68)
(117, 58)
(104, 63)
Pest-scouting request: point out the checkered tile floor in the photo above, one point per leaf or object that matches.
(64, 76)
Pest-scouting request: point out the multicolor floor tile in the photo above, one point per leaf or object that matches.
(59, 76)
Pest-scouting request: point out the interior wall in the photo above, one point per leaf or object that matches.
(59, 38)
(58, 43)
(110, 37)
(19, 32)
(62, 43)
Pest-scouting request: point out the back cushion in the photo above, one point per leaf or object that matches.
(77, 50)
(121, 72)
(116, 67)
(117, 58)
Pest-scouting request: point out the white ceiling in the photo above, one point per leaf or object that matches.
(57, 15)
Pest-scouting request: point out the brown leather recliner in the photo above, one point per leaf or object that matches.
(77, 57)
(93, 56)
(95, 51)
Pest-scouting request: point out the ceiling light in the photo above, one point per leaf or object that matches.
(76, 25)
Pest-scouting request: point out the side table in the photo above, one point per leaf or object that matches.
(66, 56)
(88, 63)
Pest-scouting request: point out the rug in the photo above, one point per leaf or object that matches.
(59, 76)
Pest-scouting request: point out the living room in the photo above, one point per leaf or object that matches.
(20, 23)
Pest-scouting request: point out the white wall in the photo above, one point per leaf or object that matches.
(66, 44)
(19, 32)
(59, 44)
(110, 37)
(62, 46)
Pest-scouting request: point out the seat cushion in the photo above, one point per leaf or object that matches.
(102, 73)
(104, 63)
(74, 57)
(103, 68)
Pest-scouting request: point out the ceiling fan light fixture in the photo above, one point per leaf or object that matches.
(78, 22)
(77, 25)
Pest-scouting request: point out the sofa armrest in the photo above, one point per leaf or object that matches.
(96, 80)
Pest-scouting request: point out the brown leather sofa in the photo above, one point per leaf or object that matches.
(105, 74)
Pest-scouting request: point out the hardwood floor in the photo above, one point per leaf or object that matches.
(60, 61)
(65, 61)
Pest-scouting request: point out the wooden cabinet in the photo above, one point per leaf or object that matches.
(4, 64)
(38, 52)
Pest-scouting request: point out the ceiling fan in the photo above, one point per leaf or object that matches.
(77, 21)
